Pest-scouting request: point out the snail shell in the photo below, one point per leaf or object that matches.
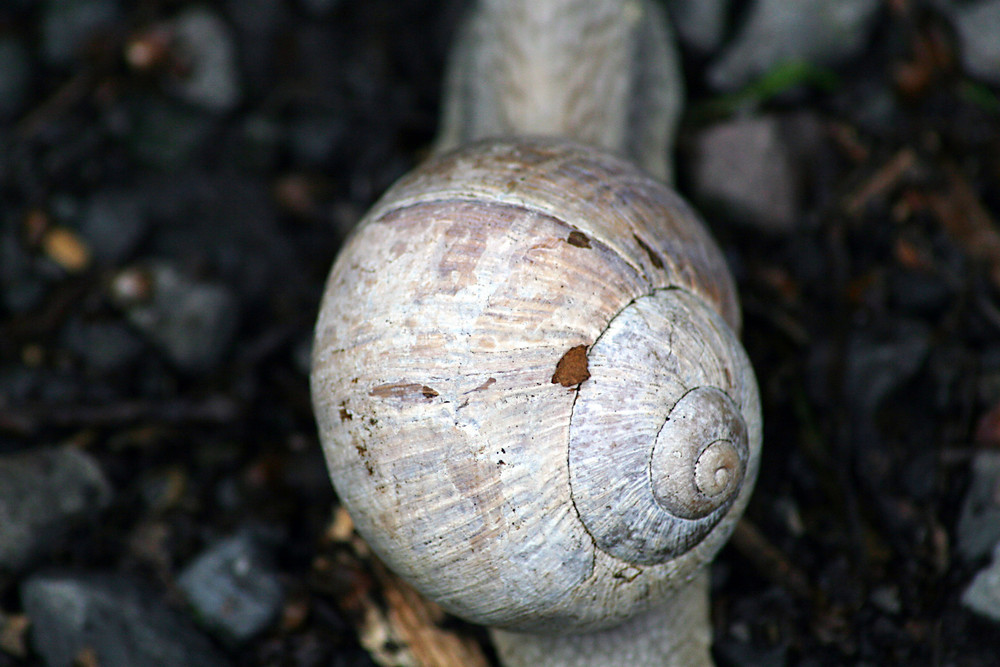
(528, 386)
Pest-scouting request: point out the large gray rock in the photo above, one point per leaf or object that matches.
(820, 32)
(44, 495)
(117, 618)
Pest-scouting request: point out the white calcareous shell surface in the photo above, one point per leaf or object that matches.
(529, 389)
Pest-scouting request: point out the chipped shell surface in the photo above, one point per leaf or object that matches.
(446, 416)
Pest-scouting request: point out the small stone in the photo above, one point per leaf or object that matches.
(15, 76)
(700, 24)
(978, 27)
(67, 26)
(233, 588)
(192, 322)
(21, 288)
(879, 362)
(259, 25)
(167, 134)
(979, 522)
(116, 618)
(13, 634)
(65, 247)
(114, 223)
(744, 167)
(820, 32)
(983, 594)
(205, 45)
(103, 346)
(44, 494)
(316, 135)
(319, 8)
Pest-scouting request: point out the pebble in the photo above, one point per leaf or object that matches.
(744, 168)
(319, 8)
(983, 594)
(44, 495)
(820, 32)
(879, 362)
(205, 44)
(978, 28)
(167, 134)
(979, 521)
(15, 76)
(21, 289)
(192, 322)
(103, 346)
(112, 618)
(67, 26)
(316, 135)
(700, 24)
(65, 247)
(233, 588)
(113, 222)
(258, 25)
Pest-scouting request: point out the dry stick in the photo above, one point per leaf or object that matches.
(769, 560)
(28, 419)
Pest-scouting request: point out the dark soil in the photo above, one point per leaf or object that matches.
(873, 326)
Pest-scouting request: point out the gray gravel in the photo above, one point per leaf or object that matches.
(192, 321)
(233, 588)
(67, 26)
(978, 27)
(114, 222)
(700, 24)
(15, 75)
(979, 522)
(983, 595)
(206, 46)
(820, 32)
(44, 495)
(744, 167)
(116, 619)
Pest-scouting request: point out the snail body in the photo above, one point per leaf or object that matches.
(529, 388)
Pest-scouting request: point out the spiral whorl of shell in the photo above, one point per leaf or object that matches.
(528, 386)
(653, 405)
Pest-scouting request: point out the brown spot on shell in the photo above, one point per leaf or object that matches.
(653, 257)
(405, 392)
(572, 367)
(485, 385)
(578, 239)
(345, 414)
(363, 453)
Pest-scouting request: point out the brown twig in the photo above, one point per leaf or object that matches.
(396, 625)
(769, 560)
(886, 178)
(28, 419)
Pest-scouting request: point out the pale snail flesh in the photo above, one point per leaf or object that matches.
(529, 388)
